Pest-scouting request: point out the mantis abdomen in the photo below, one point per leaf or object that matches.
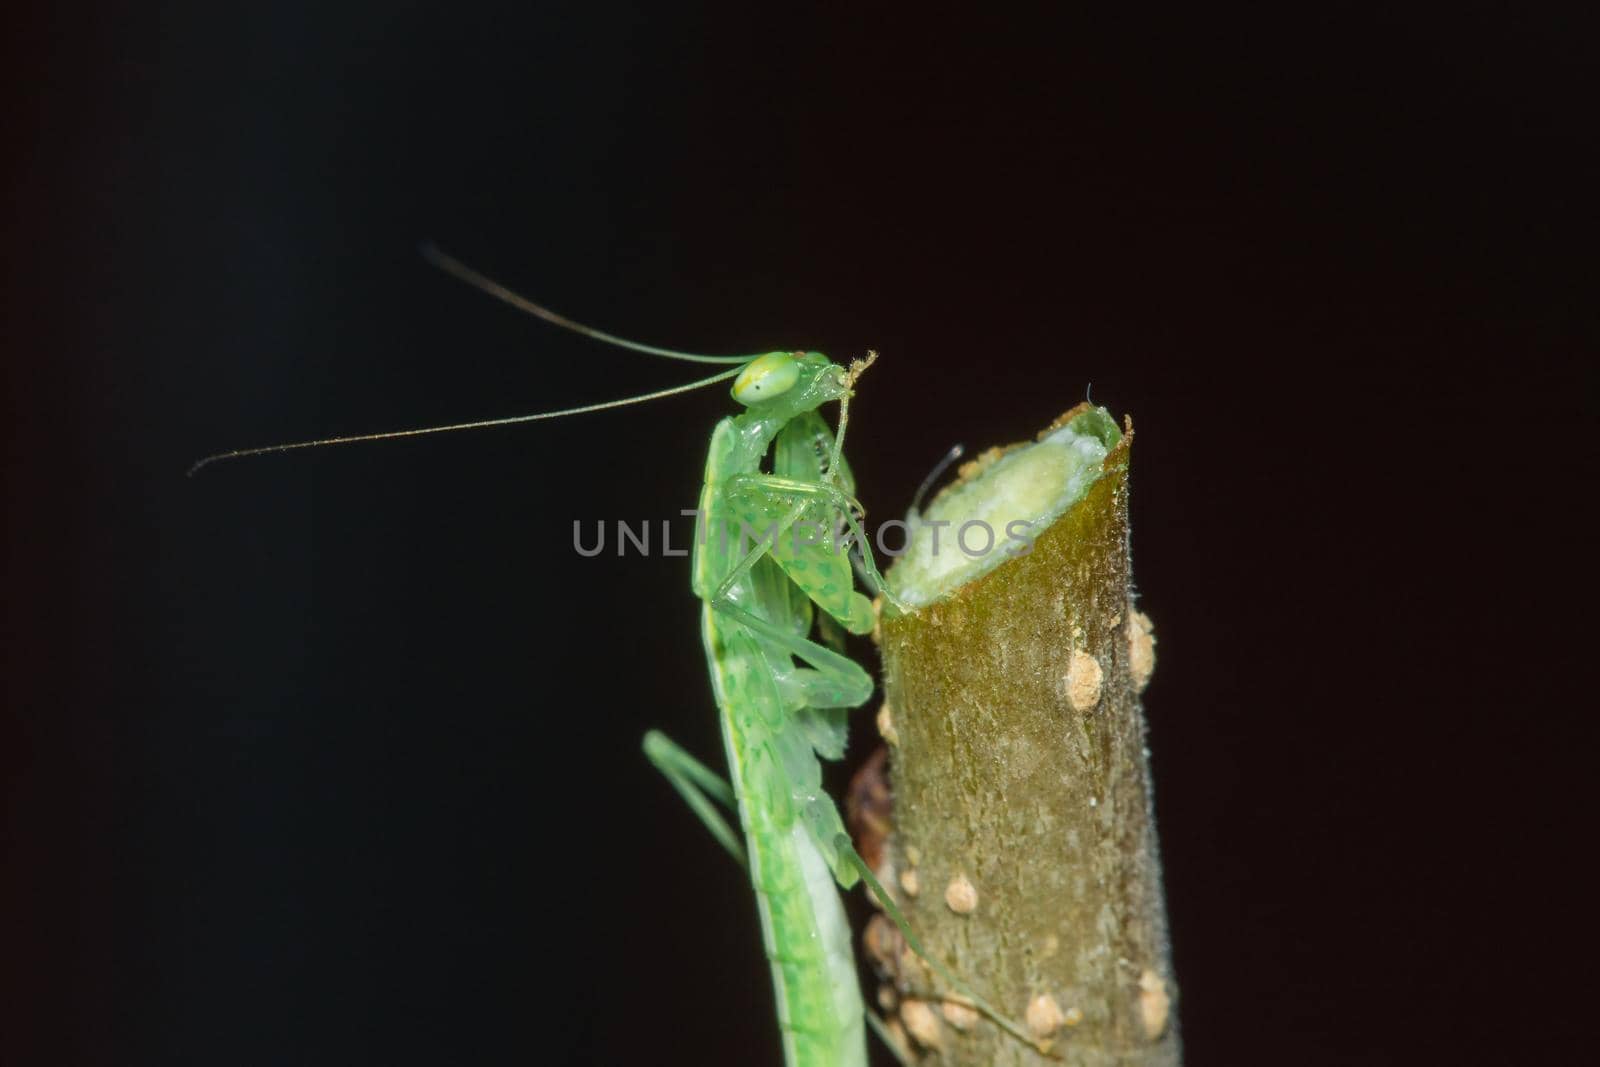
(804, 929)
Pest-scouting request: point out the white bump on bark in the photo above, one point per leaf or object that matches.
(1141, 648)
(886, 725)
(1044, 1016)
(1083, 681)
(958, 1015)
(1154, 1003)
(922, 1024)
(961, 896)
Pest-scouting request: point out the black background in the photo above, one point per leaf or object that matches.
(333, 758)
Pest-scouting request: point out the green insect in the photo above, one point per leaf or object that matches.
(770, 552)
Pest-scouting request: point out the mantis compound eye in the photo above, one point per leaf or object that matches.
(766, 377)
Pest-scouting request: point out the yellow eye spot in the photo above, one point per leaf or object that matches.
(766, 377)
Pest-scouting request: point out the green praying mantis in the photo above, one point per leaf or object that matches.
(771, 567)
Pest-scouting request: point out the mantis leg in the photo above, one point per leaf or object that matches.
(847, 851)
(851, 686)
(813, 689)
(694, 781)
(689, 777)
(774, 488)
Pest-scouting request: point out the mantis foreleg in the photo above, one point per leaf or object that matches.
(770, 489)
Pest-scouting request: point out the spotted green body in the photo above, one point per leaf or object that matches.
(765, 560)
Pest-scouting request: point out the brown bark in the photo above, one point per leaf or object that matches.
(1024, 850)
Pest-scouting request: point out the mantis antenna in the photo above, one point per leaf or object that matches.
(476, 425)
(452, 266)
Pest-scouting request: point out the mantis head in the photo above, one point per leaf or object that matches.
(785, 384)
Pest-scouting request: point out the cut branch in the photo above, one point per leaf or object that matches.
(1024, 848)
